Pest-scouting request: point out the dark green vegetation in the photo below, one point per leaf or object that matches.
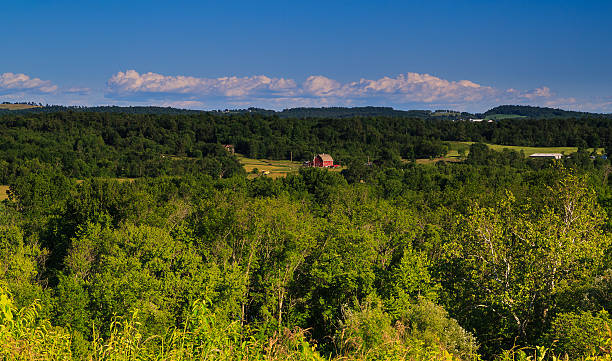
(500, 112)
(387, 261)
(539, 112)
(85, 144)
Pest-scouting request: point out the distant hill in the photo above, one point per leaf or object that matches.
(520, 111)
(341, 112)
(331, 112)
(503, 112)
(26, 108)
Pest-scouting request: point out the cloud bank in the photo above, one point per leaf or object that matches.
(404, 91)
(132, 83)
(317, 90)
(22, 83)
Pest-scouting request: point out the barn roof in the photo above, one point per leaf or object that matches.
(325, 157)
(551, 155)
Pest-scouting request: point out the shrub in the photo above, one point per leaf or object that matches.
(578, 334)
(424, 333)
(23, 336)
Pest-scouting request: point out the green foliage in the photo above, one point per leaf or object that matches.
(387, 260)
(431, 324)
(424, 330)
(579, 334)
(23, 336)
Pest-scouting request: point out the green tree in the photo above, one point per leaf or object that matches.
(520, 259)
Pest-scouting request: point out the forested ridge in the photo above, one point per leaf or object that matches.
(324, 112)
(493, 257)
(89, 144)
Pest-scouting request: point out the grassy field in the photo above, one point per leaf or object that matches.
(445, 114)
(18, 106)
(448, 158)
(456, 146)
(3, 192)
(504, 116)
(277, 168)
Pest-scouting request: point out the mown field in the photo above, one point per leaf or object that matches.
(18, 106)
(277, 168)
(3, 192)
(456, 146)
(504, 116)
(454, 155)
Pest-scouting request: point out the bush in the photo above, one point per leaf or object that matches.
(424, 333)
(23, 336)
(578, 334)
(431, 324)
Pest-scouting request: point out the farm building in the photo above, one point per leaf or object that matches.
(323, 160)
(547, 155)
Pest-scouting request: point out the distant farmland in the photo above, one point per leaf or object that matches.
(18, 106)
(276, 168)
(3, 192)
(504, 116)
(456, 146)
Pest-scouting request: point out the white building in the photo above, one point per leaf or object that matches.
(547, 155)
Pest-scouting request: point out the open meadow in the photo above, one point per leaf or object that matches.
(3, 192)
(455, 147)
(276, 168)
(18, 106)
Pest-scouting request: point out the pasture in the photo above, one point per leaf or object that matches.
(504, 116)
(277, 168)
(18, 106)
(455, 147)
(3, 192)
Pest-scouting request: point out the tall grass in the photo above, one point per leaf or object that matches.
(24, 336)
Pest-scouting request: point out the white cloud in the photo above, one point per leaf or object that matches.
(543, 92)
(18, 83)
(77, 90)
(320, 86)
(404, 88)
(131, 83)
(408, 90)
(182, 104)
(422, 88)
(403, 91)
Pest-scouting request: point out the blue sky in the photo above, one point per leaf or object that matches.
(467, 55)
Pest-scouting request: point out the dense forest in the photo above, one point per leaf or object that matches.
(541, 112)
(85, 144)
(494, 257)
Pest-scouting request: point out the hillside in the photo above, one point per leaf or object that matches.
(502, 112)
(514, 111)
(341, 112)
(203, 249)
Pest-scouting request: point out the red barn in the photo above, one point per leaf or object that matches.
(323, 160)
